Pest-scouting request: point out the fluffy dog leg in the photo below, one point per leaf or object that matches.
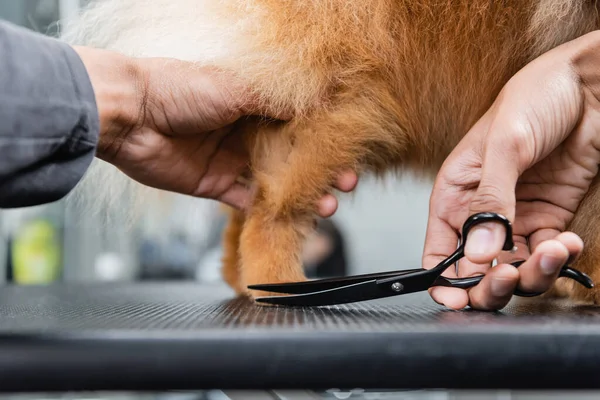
(231, 244)
(293, 167)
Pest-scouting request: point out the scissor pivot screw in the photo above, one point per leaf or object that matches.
(397, 287)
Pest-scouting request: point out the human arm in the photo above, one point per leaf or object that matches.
(48, 118)
(163, 122)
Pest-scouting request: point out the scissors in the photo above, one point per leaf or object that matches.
(331, 291)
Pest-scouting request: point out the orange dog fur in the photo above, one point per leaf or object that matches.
(375, 85)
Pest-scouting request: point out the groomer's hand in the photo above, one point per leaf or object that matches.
(532, 158)
(168, 124)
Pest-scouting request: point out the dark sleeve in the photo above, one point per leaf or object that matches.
(48, 118)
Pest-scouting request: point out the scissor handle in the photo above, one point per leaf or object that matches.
(473, 220)
(565, 272)
(480, 218)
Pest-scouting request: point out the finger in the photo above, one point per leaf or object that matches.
(347, 181)
(468, 268)
(327, 206)
(237, 196)
(441, 241)
(573, 243)
(540, 271)
(540, 236)
(495, 193)
(453, 298)
(240, 99)
(496, 289)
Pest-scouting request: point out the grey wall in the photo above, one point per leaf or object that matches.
(13, 11)
(38, 15)
(385, 224)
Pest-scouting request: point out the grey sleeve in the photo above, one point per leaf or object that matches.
(48, 118)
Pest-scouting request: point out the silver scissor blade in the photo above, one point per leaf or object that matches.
(326, 284)
(362, 291)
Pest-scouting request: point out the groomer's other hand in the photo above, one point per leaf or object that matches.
(169, 124)
(531, 158)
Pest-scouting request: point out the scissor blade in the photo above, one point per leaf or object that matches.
(361, 291)
(326, 284)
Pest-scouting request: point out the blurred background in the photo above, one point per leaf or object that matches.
(379, 227)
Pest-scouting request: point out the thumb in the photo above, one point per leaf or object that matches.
(495, 193)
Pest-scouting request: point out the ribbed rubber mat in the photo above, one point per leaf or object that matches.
(193, 307)
(157, 337)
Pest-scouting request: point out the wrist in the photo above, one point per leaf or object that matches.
(118, 86)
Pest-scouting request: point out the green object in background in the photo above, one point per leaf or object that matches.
(36, 253)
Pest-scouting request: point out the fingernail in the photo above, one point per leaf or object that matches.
(500, 287)
(549, 265)
(482, 240)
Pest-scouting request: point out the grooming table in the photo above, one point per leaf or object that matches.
(158, 337)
